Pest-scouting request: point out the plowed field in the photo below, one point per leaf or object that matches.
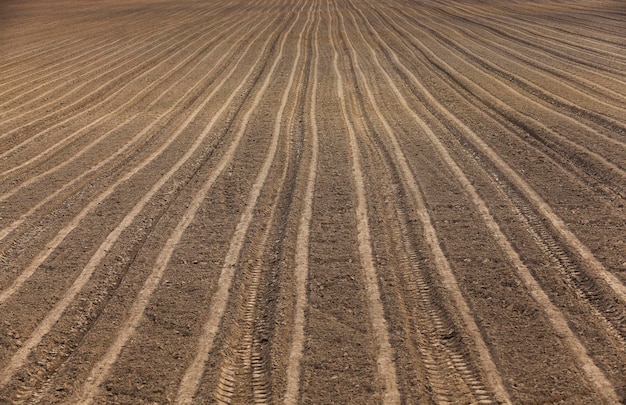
(312, 201)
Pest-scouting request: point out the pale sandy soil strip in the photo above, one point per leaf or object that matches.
(147, 45)
(89, 38)
(53, 316)
(242, 355)
(171, 43)
(18, 72)
(38, 51)
(443, 267)
(191, 379)
(113, 114)
(435, 378)
(555, 316)
(544, 41)
(538, 65)
(587, 25)
(90, 126)
(50, 246)
(25, 86)
(537, 45)
(81, 68)
(594, 47)
(544, 209)
(587, 44)
(87, 42)
(497, 101)
(301, 270)
(101, 370)
(385, 358)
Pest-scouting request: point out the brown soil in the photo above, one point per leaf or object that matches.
(342, 201)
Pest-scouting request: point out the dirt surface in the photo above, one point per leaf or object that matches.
(312, 201)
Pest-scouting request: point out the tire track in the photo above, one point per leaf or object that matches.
(605, 174)
(542, 207)
(52, 317)
(587, 289)
(301, 270)
(557, 319)
(385, 362)
(100, 371)
(437, 375)
(244, 350)
(244, 366)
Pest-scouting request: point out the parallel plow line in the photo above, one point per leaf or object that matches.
(113, 114)
(244, 366)
(109, 84)
(442, 265)
(100, 370)
(607, 173)
(385, 361)
(51, 318)
(555, 316)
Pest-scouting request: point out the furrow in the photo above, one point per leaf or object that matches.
(586, 287)
(581, 42)
(550, 98)
(84, 112)
(25, 87)
(26, 273)
(44, 327)
(545, 210)
(112, 115)
(533, 43)
(35, 49)
(301, 270)
(150, 45)
(245, 356)
(594, 374)
(141, 49)
(101, 369)
(601, 92)
(544, 42)
(385, 361)
(86, 41)
(608, 177)
(191, 379)
(438, 376)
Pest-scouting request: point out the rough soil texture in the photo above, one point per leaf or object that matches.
(312, 201)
